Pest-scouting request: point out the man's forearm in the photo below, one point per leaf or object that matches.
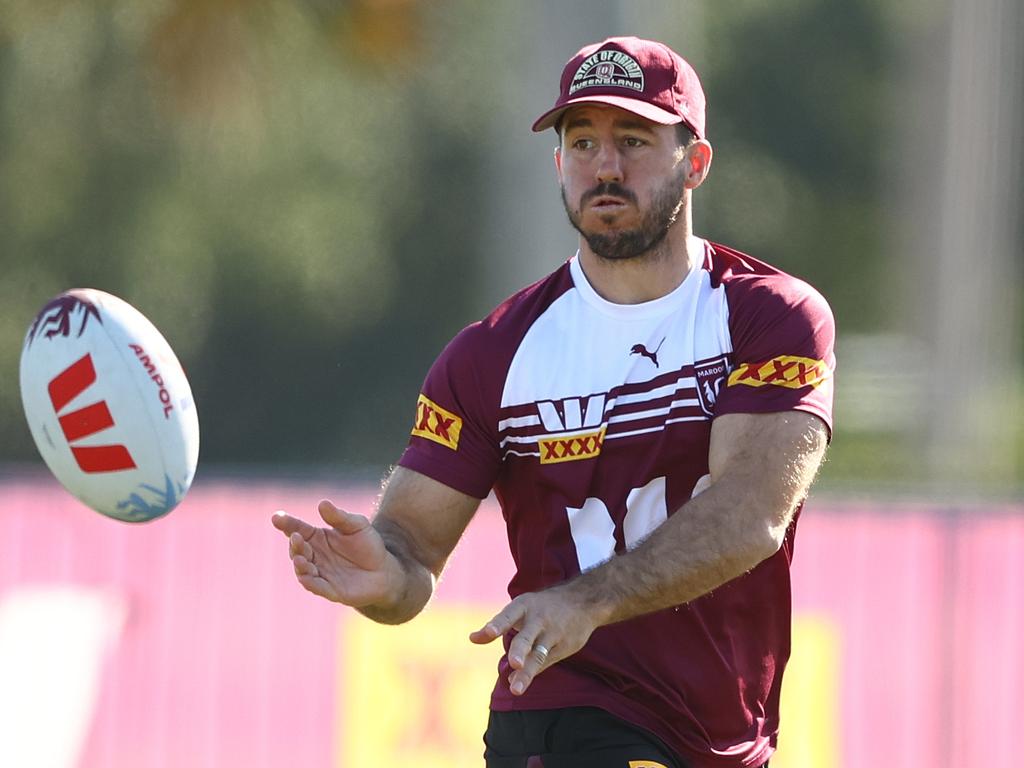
(414, 583)
(722, 533)
(708, 542)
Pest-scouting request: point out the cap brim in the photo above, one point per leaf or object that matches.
(641, 108)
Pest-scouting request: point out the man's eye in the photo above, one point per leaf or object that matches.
(633, 141)
(583, 144)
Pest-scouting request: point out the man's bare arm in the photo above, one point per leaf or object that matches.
(762, 466)
(421, 521)
(385, 569)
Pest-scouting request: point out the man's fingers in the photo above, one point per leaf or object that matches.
(289, 525)
(336, 518)
(536, 660)
(485, 634)
(507, 619)
(548, 628)
(308, 574)
(519, 681)
(341, 520)
(523, 646)
(304, 567)
(318, 586)
(299, 547)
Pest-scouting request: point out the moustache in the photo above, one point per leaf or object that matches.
(610, 189)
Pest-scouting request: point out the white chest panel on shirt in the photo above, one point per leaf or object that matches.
(576, 357)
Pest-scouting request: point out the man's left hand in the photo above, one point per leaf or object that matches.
(549, 626)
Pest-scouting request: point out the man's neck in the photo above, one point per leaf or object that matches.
(646, 277)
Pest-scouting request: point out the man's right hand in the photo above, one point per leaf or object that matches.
(387, 569)
(346, 562)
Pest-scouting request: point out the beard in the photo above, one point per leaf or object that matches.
(654, 224)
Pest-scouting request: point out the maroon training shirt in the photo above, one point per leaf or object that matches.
(590, 421)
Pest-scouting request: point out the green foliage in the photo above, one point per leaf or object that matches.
(269, 204)
(293, 192)
(800, 95)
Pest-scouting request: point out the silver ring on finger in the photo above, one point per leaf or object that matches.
(541, 652)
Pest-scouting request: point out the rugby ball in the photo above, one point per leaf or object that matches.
(109, 406)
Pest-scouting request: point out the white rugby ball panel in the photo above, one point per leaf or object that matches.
(109, 406)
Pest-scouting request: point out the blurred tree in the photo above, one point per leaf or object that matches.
(270, 205)
(380, 33)
(796, 113)
(295, 192)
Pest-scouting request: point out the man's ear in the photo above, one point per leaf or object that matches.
(558, 162)
(697, 163)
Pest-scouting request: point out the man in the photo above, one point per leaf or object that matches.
(650, 417)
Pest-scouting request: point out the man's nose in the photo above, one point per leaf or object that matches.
(609, 165)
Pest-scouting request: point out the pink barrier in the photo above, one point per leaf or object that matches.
(219, 658)
(985, 637)
(879, 577)
(223, 660)
(214, 664)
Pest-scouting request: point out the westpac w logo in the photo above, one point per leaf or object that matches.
(80, 423)
(574, 431)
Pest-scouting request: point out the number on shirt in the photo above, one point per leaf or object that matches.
(593, 529)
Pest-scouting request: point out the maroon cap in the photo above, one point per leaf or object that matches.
(642, 76)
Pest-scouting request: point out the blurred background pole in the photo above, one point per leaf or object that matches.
(527, 234)
(965, 278)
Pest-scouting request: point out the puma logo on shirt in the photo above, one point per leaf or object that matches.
(640, 349)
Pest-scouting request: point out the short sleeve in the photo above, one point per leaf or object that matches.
(454, 432)
(783, 335)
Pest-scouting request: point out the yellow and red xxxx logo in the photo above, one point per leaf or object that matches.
(783, 371)
(557, 449)
(435, 423)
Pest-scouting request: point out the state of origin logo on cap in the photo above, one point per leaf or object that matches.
(644, 77)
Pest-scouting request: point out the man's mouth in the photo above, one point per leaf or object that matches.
(608, 204)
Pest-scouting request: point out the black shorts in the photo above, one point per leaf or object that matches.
(575, 737)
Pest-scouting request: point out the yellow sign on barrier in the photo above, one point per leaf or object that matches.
(809, 717)
(417, 694)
